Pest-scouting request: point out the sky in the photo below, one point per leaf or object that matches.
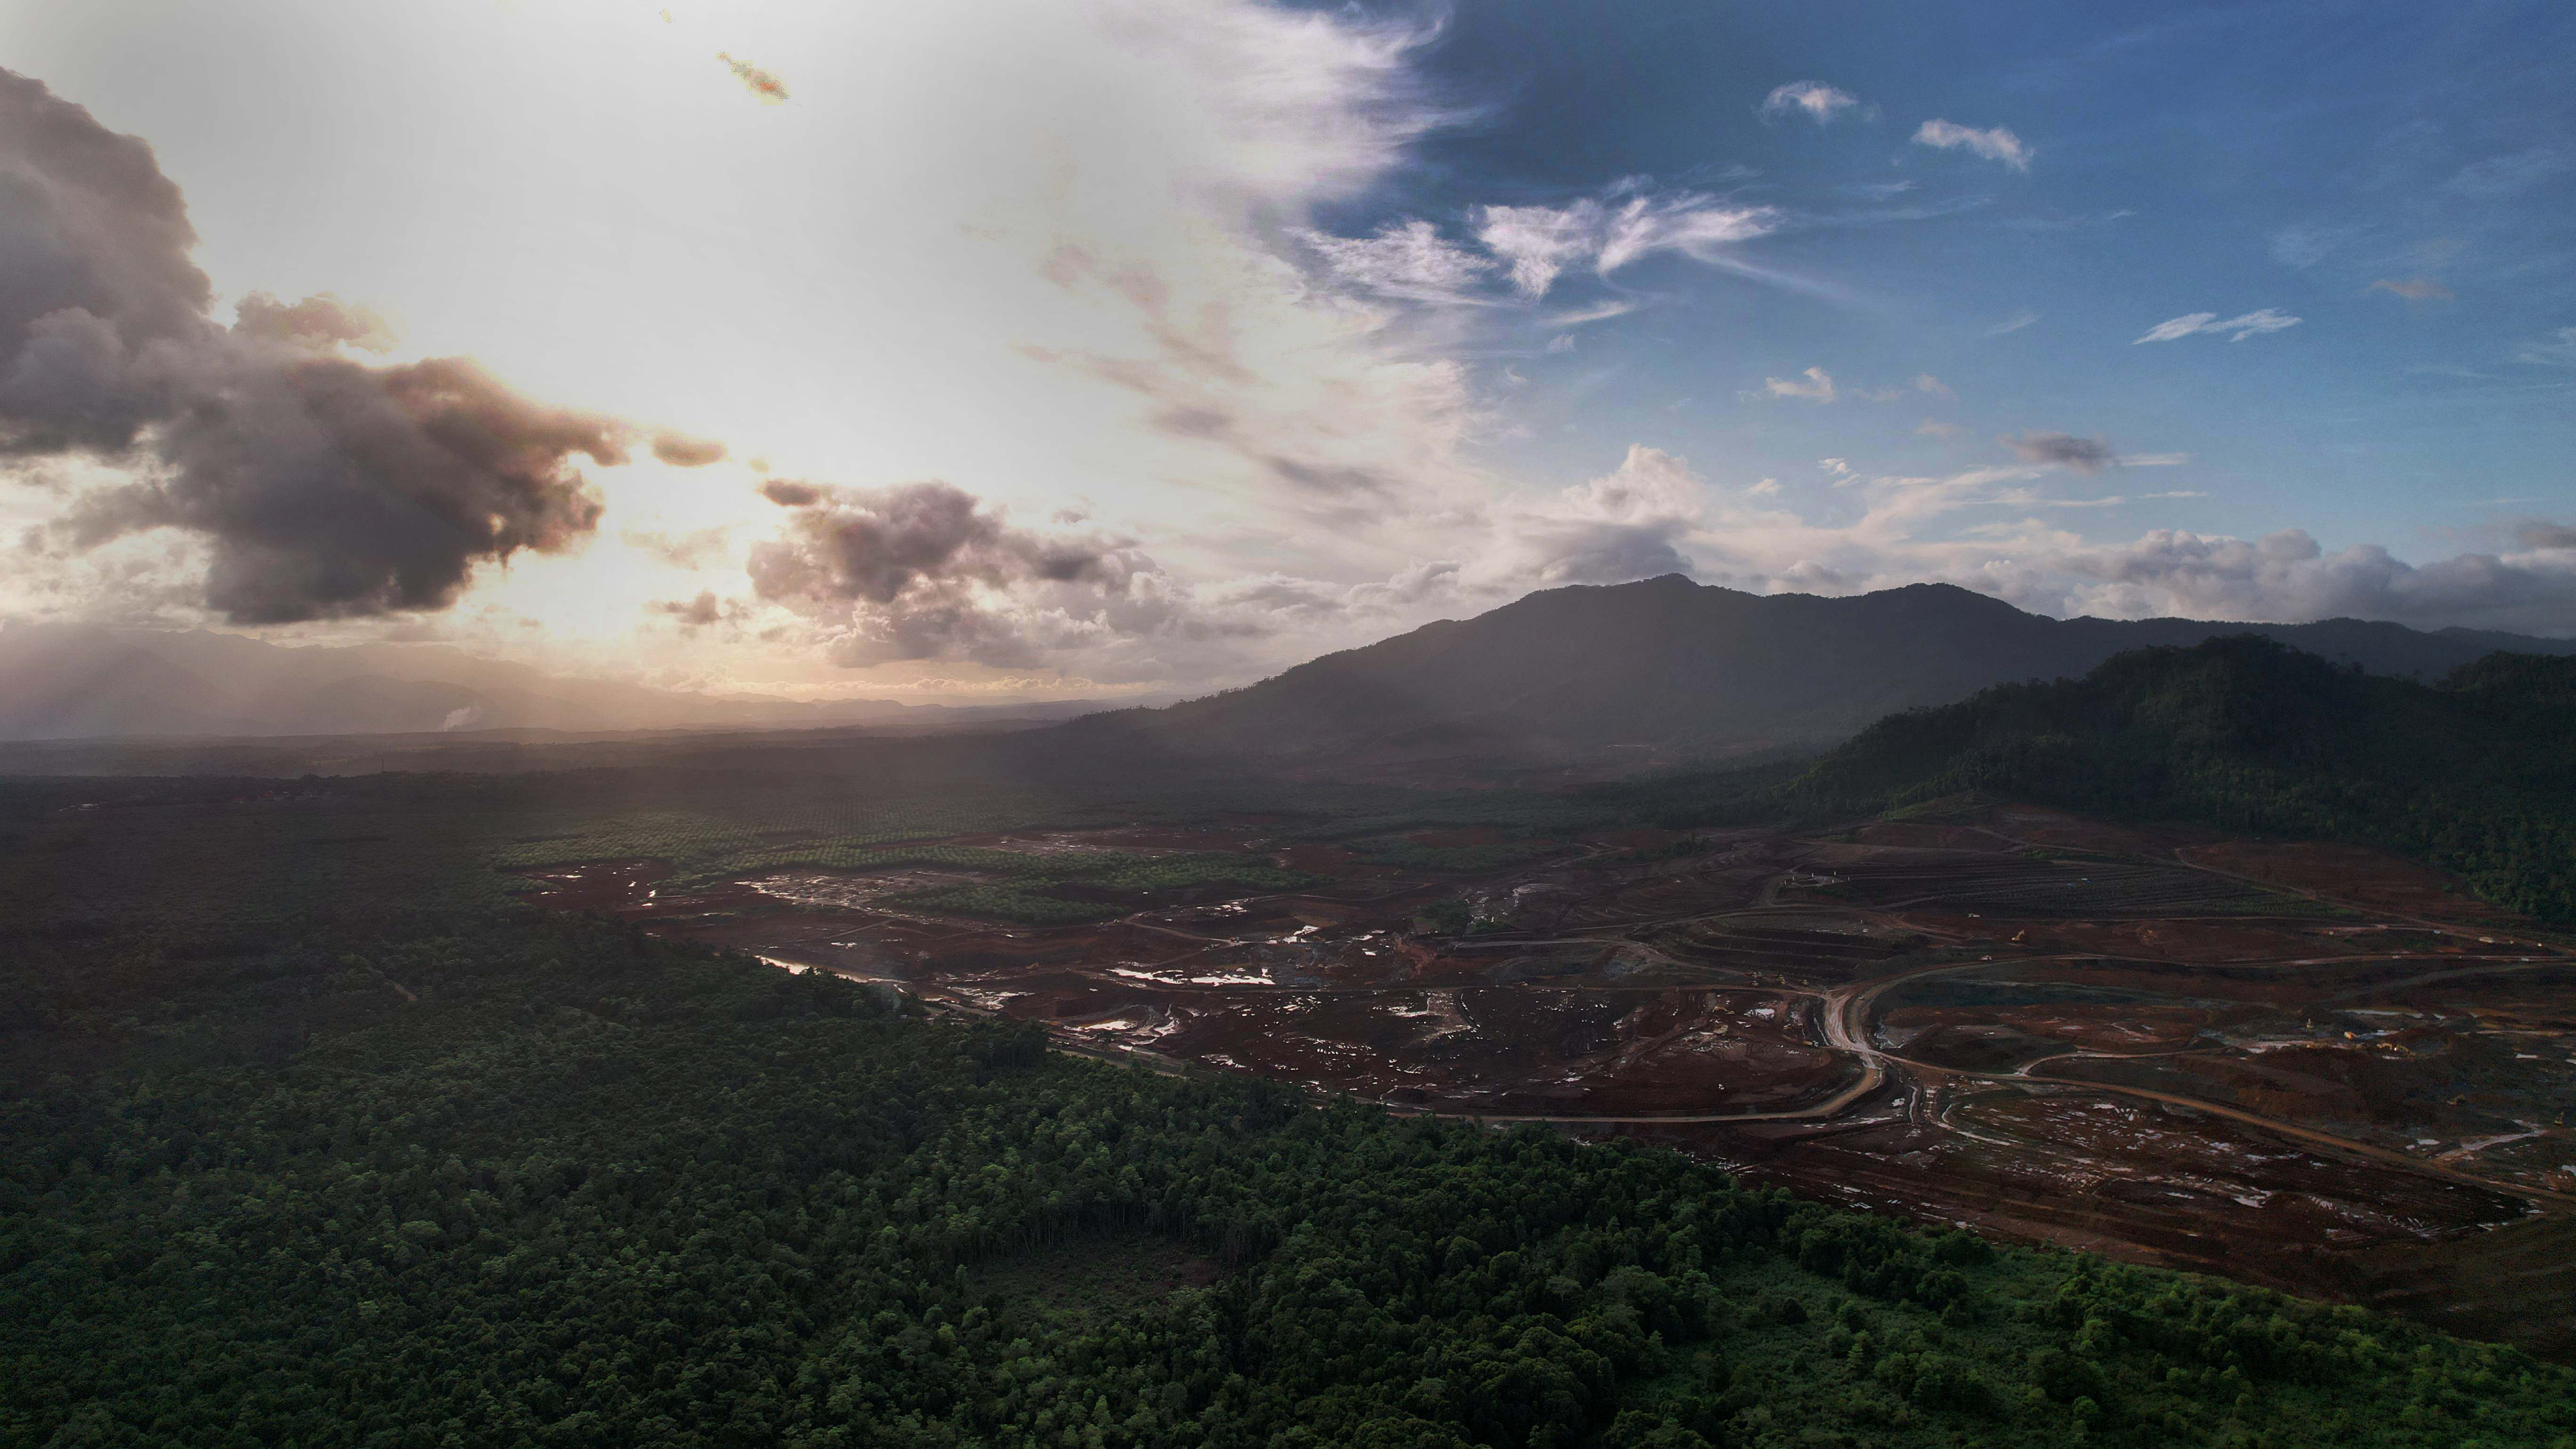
(1002, 349)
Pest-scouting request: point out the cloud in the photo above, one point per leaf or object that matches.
(927, 571)
(768, 88)
(2414, 289)
(2251, 324)
(703, 612)
(1404, 259)
(2013, 323)
(1821, 102)
(1921, 382)
(2287, 577)
(1598, 312)
(1538, 243)
(2503, 176)
(322, 487)
(1995, 144)
(685, 551)
(2556, 350)
(1908, 531)
(2064, 450)
(1624, 525)
(1935, 428)
(682, 451)
(318, 322)
(1562, 342)
(2305, 246)
(1818, 388)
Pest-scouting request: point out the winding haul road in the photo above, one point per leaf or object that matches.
(1845, 1021)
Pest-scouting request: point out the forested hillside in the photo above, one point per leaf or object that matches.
(482, 1178)
(1695, 668)
(2476, 774)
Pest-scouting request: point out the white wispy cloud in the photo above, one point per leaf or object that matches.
(1996, 143)
(2013, 323)
(2556, 350)
(1407, 259)
(1818, 387)
(2250, 324)
(1600, 312)
(1538, 243)
(1921, 382)
(1820, 101)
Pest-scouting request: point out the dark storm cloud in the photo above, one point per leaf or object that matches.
(925, 571)
(324, 487)
(2084, 455)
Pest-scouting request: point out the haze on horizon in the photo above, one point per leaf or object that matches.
(980, 351)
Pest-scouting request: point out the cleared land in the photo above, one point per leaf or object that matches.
(2311, 1066)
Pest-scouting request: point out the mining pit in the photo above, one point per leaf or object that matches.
(2314, 1067)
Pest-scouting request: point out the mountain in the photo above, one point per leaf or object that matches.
(1669, 668)
(67, 682)
(2475, 773)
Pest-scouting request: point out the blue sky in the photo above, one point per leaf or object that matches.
(2183, 159)
(1016, 347)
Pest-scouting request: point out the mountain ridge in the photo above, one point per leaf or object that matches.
(1669, 665)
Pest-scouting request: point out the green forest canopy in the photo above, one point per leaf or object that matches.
(487, 1178)
(2476, 774)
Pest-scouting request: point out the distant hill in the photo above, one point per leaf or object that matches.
(67, 682)
(2476, 773)
(1668, 668)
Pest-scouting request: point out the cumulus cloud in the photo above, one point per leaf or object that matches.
(2413, 289)
(2064, 450)
(318, 322)
(1982, 528)
(322, 487)
(1821, 102)
(928, 571)
(1627, 524)
(2287, 577)
(1538, 243)
(1995, 143)
(2250, 324)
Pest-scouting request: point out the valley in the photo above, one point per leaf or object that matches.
(2311, 1066)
